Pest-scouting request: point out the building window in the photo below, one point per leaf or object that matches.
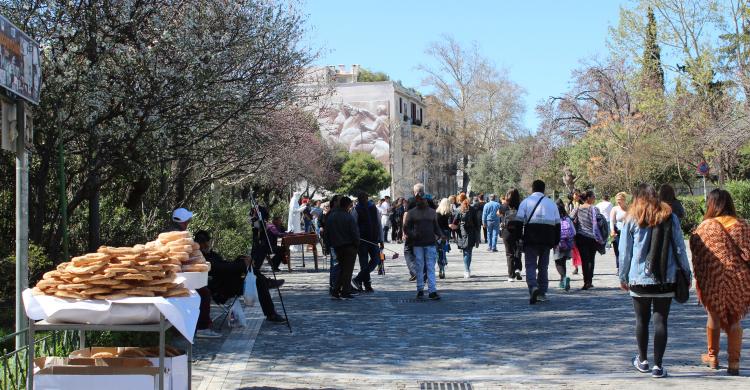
(400, 106)
(420, 115)
(413, 111)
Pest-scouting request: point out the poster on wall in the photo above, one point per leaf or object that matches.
(359, 127)
(20, 68)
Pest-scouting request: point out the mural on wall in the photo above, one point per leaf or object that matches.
(359, 127)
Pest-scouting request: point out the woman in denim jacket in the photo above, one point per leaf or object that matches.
(650, 278)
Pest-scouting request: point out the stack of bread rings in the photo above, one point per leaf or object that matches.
(115, 273)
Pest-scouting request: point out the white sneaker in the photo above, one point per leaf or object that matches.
(466, 275)
(207, 334)
(511, 280)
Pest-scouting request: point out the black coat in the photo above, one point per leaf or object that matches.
(468, 228)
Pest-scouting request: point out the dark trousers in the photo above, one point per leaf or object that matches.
(345, 256)
(587, 248)
(616, 248)
(396, 231)
(537, 262)
(385, 233)
(264, 296)
(204, 313)
(365, 267)
(514, 263)
(642, 307)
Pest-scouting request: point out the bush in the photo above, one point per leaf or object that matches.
(39, 263)
(695, 208)
(740, 190)
(227, 222)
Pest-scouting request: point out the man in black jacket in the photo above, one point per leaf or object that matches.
(227, 278)
(371, 240)
(343, 234)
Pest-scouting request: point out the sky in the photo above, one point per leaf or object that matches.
(539, 42)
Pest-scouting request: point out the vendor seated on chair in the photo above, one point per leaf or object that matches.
(226, 278)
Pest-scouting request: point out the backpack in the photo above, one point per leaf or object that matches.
(567, 234)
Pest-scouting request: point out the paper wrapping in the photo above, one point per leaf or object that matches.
(181, 312)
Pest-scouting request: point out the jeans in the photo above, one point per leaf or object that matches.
(204, 310)
(467, 259)
(492, 231)
(425, 256)
(537, 262)
(616, 248)
(373, 252)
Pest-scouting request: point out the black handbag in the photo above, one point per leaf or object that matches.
(682, 284)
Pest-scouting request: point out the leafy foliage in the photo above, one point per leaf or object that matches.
(367, 76)
(362, 172)
(740, 191)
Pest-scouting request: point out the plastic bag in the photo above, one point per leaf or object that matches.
(250, 292)
(238, 314)
(577, 261)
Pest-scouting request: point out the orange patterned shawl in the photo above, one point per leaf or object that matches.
(721, 263)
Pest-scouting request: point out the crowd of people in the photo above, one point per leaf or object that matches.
(643, 229)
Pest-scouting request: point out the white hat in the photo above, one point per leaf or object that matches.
(181, 215)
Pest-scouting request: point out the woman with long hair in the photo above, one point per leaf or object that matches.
(510, 231)
(721, 261)
(444, 218)
(668, 196)
(465, 223)
(652, 252)
(588, 235)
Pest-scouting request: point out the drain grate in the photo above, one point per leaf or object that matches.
(445, 386)
(411, 300)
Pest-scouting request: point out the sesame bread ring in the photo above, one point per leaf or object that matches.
(103, 355)
(37, 291)
(172, 236)
(133, 276)
(72, 286)
(121, 286)
(177, 292)
(171, 268)
(103, 282)
(111, 297)
(51, 275)
(89, 278)
(139, 292)
(89, 269)
(157, 289)
(69, 294)
(47, 283)
(62, 266)
(180, 256)
(152, 267)
(96, 291)
(181, 241)
(181, 248)
(168, 278)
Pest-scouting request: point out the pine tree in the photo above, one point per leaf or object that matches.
(652, 73)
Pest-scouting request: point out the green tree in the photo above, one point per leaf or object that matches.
(653, 74)
(368, 76)
(497, 171)
(362, 172)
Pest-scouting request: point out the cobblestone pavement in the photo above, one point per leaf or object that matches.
(483, 333)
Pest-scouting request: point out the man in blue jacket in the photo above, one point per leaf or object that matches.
(491, 221)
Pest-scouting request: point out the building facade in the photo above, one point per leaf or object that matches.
(389, 121)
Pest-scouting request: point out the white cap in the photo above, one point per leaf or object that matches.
(182, 215)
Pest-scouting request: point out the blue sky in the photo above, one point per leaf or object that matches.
(539, 42)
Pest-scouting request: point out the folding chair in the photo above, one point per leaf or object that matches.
(225, 306)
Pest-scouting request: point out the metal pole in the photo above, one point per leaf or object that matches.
(705, 193)
(63, 193)
(22, 221)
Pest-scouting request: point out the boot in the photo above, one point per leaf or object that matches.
(711, 358)
(734, 346)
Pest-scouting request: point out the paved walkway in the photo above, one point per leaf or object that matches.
(483, 334)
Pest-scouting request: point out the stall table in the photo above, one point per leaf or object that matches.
(300, 239)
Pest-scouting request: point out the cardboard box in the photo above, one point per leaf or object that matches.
(55, 373)
(175, 368)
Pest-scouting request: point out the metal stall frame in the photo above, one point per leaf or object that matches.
(160, 327)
